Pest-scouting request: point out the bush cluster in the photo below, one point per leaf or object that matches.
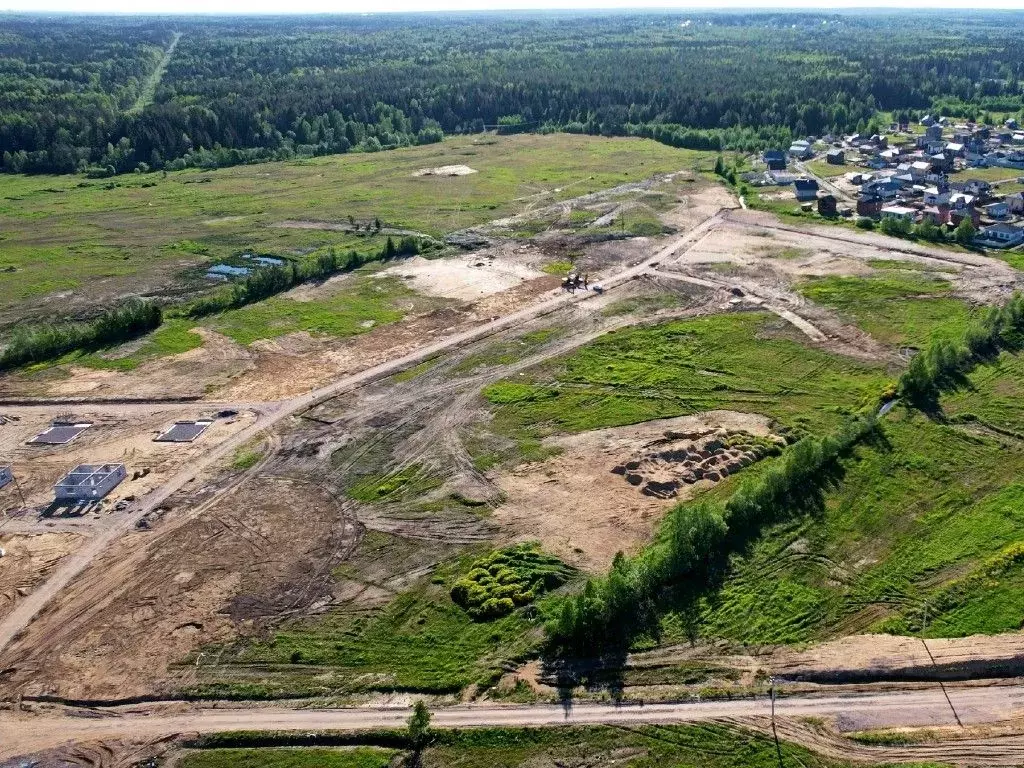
(508, 578)
(38, 343)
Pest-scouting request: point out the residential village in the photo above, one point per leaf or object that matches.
(911, 176)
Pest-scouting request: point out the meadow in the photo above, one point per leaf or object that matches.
(420, 641)
(896, 307)
(747, 362)
(912, 517)
(148, 231)
(642, 746)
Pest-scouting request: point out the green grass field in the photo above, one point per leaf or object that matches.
(350, 757)
(60, 233)
(913, 518)
(420, 642)
(898, 308)
(641, 746)
(826, 170)
(748, 362)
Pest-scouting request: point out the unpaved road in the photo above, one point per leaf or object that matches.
(274, 413)
(25, 733)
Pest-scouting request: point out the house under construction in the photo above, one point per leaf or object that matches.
(89, 482)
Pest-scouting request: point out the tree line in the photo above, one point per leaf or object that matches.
(249, 89)
(269, 281)
(944, 364)
(693, 544)
(39, 343)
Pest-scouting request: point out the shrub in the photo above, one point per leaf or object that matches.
(506, 579)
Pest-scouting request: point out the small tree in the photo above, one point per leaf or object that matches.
(965, 232)
(419, 726)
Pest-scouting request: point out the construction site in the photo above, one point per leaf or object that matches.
(224, 526)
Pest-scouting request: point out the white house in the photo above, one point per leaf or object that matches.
(1001, 235)
(936, 196)
(899, 212)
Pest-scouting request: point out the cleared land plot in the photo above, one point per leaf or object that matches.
(137, 233)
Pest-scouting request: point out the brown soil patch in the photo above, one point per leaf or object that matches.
(156, 596)
(582, 511)
(119, 434)
(28, 561)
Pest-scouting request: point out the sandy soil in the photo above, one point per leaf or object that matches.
(124, 436)
(579, 509)
(156, 596)
(446, 170)
(28, 560)
(467, 277)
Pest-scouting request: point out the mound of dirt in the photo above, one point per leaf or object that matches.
(446, 170)
(685, 458)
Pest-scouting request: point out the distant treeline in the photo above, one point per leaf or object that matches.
(694, 543)
(241, 90)
(35, 344)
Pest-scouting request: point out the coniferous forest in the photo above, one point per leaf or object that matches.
(99, 95)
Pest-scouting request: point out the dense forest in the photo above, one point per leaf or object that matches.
(96, 95)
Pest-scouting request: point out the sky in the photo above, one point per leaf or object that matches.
(386, 6)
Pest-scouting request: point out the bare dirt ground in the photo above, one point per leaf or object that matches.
(467, 277)
(28, 560)
(580, 510)
(117, 435)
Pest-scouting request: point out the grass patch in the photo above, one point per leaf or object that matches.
(419, 642)
(246, 458)
(642, 746)
(827, 170)
(354, 757)
(643, 304)
(895, 309)
(746, 362)
(174, 337)
(507, 352)
(355, 309)
(417, 370)
(403, 485)
(557, 267)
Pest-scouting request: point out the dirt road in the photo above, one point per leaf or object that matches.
(274, 413)
(24, 733)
